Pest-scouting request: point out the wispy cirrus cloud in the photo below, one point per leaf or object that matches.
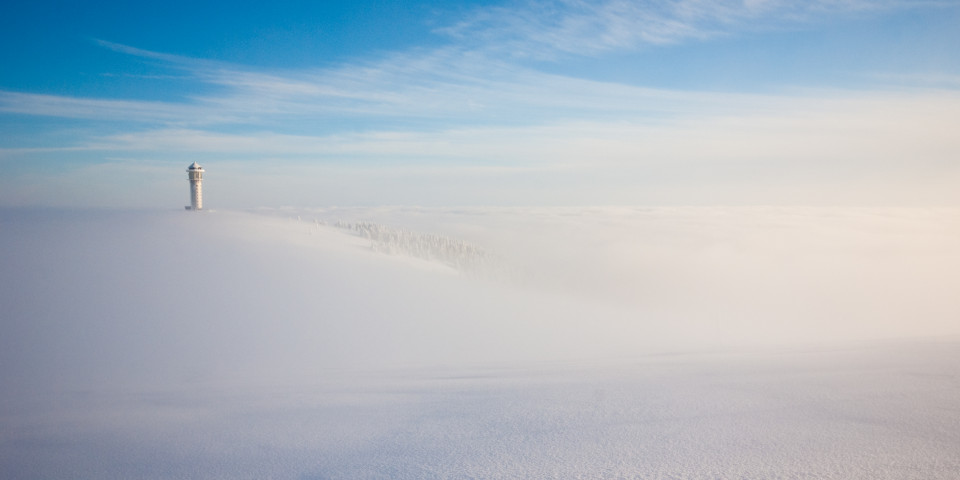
(441, 86)
(469, 82)
(878, 148)
(879, 131)
(92, 108)
(544, 29)
(468, 106)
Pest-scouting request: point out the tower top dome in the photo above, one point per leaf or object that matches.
(195, 166)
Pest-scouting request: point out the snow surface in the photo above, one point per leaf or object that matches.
(612, 343)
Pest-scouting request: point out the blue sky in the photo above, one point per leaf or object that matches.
(681, 102)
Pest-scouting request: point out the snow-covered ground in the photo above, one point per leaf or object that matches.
(593, 343)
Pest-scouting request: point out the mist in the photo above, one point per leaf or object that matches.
(153, 295)
(115, 311)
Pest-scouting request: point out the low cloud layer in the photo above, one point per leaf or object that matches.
(136, 298)
(660, 342)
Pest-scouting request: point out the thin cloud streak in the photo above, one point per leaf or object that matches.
(439, 87)
(920, 120)
(93, 108)
(550, 28)
(885, 149)
(470, 82)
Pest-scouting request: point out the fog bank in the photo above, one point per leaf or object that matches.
(479, 343)
(141, 298)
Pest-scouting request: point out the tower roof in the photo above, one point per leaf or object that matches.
(195, 166)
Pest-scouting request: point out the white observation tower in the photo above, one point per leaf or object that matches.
(195, 173)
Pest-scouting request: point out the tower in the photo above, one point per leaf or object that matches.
(195, 174)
